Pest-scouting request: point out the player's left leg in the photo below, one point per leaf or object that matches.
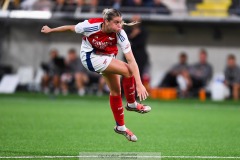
(122, 68)
(129, 92)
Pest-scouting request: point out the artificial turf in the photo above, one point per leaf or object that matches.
(39, 125)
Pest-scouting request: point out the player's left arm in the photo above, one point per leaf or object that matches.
(141, 90)
(126, 48)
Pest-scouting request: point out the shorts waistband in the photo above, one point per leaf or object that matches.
(110, 55)
(102, 54)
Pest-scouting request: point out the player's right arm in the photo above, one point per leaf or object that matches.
(78, 28)
(46, 29)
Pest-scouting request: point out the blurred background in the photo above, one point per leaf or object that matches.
(188, 55)
(184, 48)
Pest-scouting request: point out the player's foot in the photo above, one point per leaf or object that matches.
(128, 134)
(141, 108)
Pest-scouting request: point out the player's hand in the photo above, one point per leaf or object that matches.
(142, 92)
(45, 29)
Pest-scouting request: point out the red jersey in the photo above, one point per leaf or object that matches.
(101, 43)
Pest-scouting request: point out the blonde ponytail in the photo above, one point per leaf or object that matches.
(130, 24)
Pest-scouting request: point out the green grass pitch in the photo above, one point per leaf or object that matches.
(39, 125)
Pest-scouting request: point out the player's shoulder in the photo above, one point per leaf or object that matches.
(122, 35)
(95, 20)
(122, 31)
(91, 25)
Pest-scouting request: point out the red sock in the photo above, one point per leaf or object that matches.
(129, 89)
(117, 109)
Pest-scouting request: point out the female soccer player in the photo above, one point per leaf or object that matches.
(98, 52)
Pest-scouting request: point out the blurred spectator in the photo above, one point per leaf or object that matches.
(232, 76)
(157, 6)
(116, 4)
(133, 3)
(14, 4)
(53, 70)
(138, 36)
(178, 76)
(200, 73)
(153, 6)
(95, 78)
(235, 7)
(177, 7)
(58, 5)
(28, 4)
(74, 73)
(43, 5)
(92, 3)
(65, 6)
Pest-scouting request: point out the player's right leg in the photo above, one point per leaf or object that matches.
(113, 82)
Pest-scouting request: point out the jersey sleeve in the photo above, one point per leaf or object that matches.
(123, 41)
(79, 28)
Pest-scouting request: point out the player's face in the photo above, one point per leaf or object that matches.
(115, 25)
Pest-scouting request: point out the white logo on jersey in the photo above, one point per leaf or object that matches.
(110, 38)
(100, 44)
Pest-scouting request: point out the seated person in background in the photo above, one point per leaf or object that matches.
(14, 4)
(172, 76)
(53, 70)
(58, 6)
(232, 76)
(160, 7)
(74, 72)
(177, 7)
(234, 8)
(92, 3)
(64, 6)
(152, 6)
(42, 5)
(99, 80)
(200, 73)
(116, 4)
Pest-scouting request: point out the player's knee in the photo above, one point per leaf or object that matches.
(115, 91)
(128, 72)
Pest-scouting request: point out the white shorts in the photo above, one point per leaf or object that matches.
(95, 62)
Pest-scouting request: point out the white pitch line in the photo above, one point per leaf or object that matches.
(32, 157)
(200, 157)
(94, 156)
